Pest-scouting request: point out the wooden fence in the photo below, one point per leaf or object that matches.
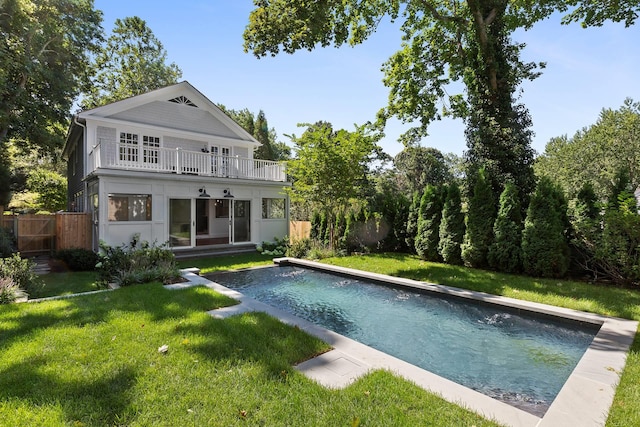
(42, 234)
(299, 230)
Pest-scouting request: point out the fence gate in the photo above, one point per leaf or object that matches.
(36, 234)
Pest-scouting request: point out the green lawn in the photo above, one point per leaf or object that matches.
(94, 360)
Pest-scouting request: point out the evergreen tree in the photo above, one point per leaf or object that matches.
(261, 133)
(339, 230)
(348, 238)
(314, 233)
(451, 227)
(412, 222)
(545, 251)
(505, 253)
(480, 220)
(430, 216)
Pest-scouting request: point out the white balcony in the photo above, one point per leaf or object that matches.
(117, 155)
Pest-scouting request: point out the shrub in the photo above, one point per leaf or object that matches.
(429, 218)
(20, 271)
(78, 259)
(9, 291)
(505, 253)
(480, 220)
(7, 243)
(299, 248)
(451, 229)
(412, 222)
(276, 248)
(138, 262)
(545, 250)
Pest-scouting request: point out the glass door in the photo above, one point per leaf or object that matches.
(241, 221)
(180, 223)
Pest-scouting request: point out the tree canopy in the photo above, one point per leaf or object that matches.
(131, 62)
(330, 167)
(44, 52)
(597, 153)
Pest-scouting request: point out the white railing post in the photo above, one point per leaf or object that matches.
(178, 165)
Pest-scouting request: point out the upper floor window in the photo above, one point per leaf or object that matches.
(130, 148)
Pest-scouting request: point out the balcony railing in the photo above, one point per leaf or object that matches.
(118, 155)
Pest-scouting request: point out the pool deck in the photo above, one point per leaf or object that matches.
(584, 400)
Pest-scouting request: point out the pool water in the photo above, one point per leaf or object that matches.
(519, 359)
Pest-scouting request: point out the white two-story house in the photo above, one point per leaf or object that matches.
(171, 166)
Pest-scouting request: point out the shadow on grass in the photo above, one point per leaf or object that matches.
(20, 320)
(254, 337)
(104, 400)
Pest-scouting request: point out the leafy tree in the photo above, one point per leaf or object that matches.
(265, 151)
(418, 166)
(45, 47)
(596, 154)
(51, 188)
(330, 167)
(131, 62)
(451, 227)
(505, 253)
(545, 250)
(481, 217)
(428, 236)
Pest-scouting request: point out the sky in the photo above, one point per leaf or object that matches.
(587, 70)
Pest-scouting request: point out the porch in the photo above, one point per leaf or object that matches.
(118, 155)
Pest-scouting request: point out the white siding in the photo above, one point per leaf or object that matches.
(176, 116)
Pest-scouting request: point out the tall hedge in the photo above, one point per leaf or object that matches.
(451, 227)
(430, 216)
(481, 217)
(545, 249)
(412, 222)
(505, 253)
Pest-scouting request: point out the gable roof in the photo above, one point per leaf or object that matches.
(180, 106)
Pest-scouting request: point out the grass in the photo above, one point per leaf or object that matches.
(67, 283)
(94, 360)
(600, 299)
(229, 262)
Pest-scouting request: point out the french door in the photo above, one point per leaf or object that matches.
(212, 221)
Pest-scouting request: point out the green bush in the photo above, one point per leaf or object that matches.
(276, 248)
(299, 248)
(138, 262)
(20, 271)
(480, 220)
(429, 218)
(451, 230)
(7, 243)
(505, 253)
(77, 259)
(545, 249)
(9, 291)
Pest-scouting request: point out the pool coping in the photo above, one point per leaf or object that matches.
(584, 399)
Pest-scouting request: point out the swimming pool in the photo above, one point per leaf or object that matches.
(520, 359)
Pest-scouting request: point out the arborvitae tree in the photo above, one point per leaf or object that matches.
(545, 250)
(412, 222)
(348, 241)
(481, 217)
(338, 230)
(451, 227)
(429, 219)
(314, 234)
(505, 253)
